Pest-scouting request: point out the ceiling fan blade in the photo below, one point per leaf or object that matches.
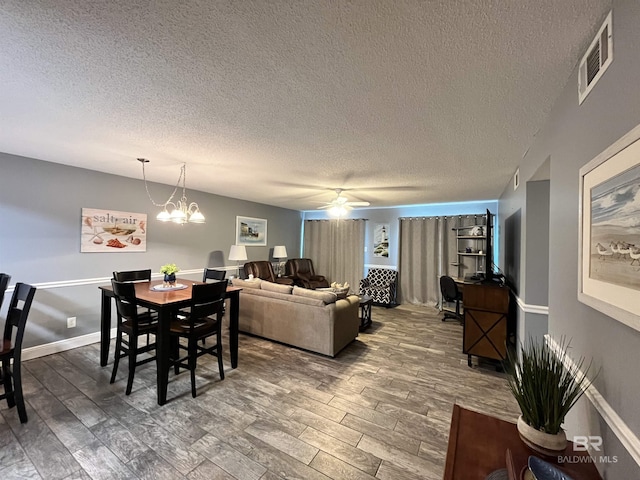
(357, 204)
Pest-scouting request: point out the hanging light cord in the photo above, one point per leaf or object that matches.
(182, 178)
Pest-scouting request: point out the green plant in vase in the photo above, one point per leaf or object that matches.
(169, 270)
(545, 389)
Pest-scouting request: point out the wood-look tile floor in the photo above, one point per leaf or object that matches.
(381, 409)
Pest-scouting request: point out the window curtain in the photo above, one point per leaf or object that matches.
(427, 251)
(336, 248)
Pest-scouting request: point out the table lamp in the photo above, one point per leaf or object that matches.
(279, 252)
(238, 253)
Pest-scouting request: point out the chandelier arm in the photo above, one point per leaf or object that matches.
(146, 187)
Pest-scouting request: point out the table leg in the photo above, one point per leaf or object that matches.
(163, 351)
(105, 328)
(233, 328)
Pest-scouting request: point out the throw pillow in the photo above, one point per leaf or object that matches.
(326, 297)
(276, 287)
(238, 282)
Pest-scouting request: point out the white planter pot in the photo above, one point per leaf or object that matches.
(542, 442)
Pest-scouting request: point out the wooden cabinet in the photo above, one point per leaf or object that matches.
(486, 321)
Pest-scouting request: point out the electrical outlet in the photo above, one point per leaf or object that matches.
(71, 322)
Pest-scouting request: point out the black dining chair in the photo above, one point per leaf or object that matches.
(14, 328)
(133, 275)
(131, 324)
(213, 274)
(203, 320)
(450, 293)
(4, 283)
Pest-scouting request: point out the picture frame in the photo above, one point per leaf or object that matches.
(609, 209)
(111, 231)
(251, 232)
(381, 240)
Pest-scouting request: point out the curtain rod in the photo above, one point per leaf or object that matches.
(471, 215)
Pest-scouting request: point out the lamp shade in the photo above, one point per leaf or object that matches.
(237, 253)
(279, 251)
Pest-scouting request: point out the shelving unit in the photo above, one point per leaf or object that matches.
(471, 249)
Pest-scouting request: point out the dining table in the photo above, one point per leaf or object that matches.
(166, 302)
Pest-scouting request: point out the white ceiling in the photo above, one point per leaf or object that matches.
(280, 101)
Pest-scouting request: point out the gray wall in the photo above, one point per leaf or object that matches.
(40, 208)
(572, 136)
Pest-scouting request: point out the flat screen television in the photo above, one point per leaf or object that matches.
(489, 274)
(488, 259)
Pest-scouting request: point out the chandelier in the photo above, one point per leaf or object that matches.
(182, 211)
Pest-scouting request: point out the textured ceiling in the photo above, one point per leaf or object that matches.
(280, 101)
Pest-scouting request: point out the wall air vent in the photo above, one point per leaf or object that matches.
(596, 61)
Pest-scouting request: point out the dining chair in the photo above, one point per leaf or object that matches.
(203, 320)
(133, 275)
(12, 347)
(138, 276)
(4, 283)
(131, 324)
(213, 274)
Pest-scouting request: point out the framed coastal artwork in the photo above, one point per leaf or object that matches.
(111, 231)
(609, 263)
(251, 231)
(381, 240)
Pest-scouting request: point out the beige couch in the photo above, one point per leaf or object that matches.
(308, 319)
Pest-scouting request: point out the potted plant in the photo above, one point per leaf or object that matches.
(169, 270)
(545, 389)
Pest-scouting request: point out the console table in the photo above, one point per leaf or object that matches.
(486, 321)
(478, 446)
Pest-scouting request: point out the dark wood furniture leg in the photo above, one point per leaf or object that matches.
(163, 351)
(105, 327)
(233, 327)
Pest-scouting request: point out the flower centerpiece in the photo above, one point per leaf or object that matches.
(169, 270)
(545, 388)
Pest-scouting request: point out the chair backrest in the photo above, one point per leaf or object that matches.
(125, 293)
(4, 283)
(300, 267)
(207, 299)
(382, 277)
(448, 288)
(133, 276)
(213, 274)
(260, 269)
(17, 316)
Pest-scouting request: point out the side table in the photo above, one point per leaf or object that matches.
(365, 311)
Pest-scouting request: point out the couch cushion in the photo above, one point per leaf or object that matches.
(275, 287)
(254, 283)
(326, 297)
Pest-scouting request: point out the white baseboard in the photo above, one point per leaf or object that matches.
(626, 436)
(62, 345)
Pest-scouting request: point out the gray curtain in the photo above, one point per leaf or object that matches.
(427, 251)
(336, 248)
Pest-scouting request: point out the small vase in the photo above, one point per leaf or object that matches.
(544, 443)
(169, 279)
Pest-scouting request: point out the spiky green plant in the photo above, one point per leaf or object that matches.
(543, 386)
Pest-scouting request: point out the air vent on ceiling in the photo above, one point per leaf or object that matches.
(597, 59)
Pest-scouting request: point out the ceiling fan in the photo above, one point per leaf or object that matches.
(341, 204)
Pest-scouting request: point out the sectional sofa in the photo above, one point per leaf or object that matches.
(309, 319)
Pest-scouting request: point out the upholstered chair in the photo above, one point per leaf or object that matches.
(264, 270)
(381, 285)
(302, 272)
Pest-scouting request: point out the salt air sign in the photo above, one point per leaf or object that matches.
(113, 231)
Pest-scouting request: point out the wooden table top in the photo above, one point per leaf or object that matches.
(144, 292)
(478, 446)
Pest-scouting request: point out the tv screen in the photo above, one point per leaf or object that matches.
(488, 259)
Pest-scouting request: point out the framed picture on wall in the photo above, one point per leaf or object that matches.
(251, 231)
(609, 245)
(103, 231)
(381, 240)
